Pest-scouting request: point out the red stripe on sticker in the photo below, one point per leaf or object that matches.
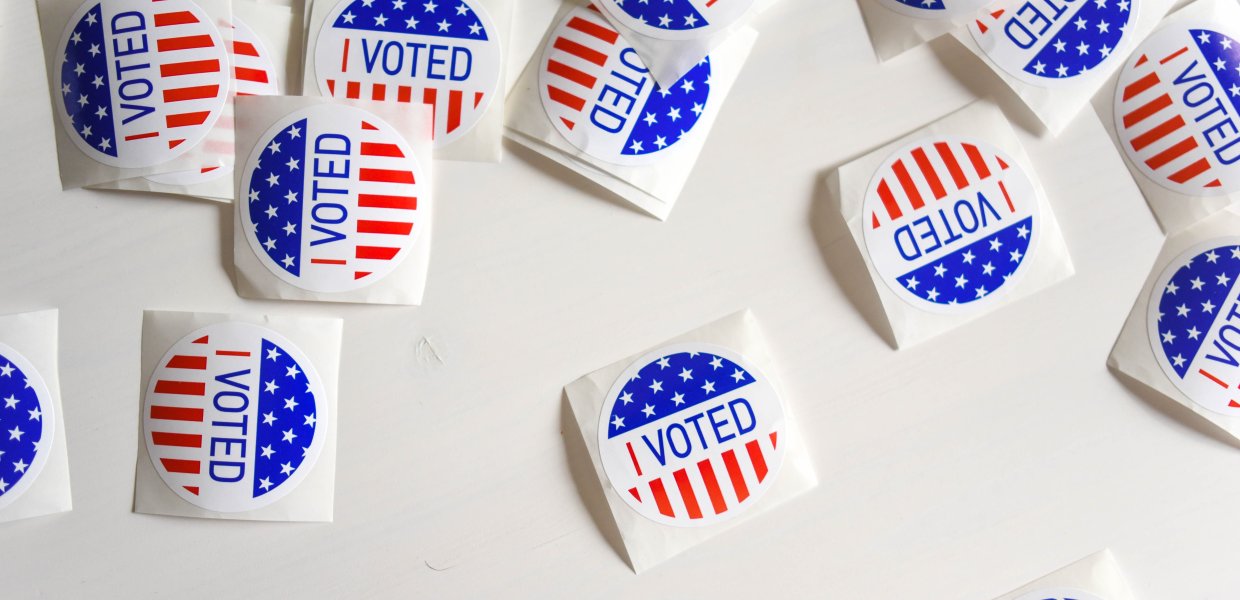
(1146, 110)
(583, 52)
(376, 252)
(384, 227)
(906, 183)
(188, 42)
(927, 171)
(1139, 86)
(1161, 131)
(1177, 150)
(593, 29)
(180, 440)
(180, 388)
(378, 201)
(558, 95)
(176, 465)
(377, 149)
(712, 487)
(187, 119)
(660, 497)
(183, 17)
(734, 474)
(253, 75)
(197, 92)
(385, 175)
(189, 67)
(889, 201)
(179, 361)
(687, 495)
(755, 456)
(176, 413)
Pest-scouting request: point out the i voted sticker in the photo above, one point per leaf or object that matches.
(1177, 110)
(1060, 594)
(332, 198)
(692, 434)
(1194, 324)
(951, 223)
(444, 53)
(235, 417)
(141, 82)
(27, 425)
(1048, 42)
(935, 9)
(601, 98)
(677, 19)
(255, 74)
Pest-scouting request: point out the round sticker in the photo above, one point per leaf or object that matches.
(952, 221)
(601, 98)
(1046, 42)
(1194, 324)
(445, 54)
(692, 435)
(27, 425)
(1060, 594)
(935, 9)
(235, 417)
(140, 82)
(256, 75)
(332, 198)
(1176, 109)
(677, 19)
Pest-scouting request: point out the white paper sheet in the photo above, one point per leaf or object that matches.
(892, 33)
(1095, 577)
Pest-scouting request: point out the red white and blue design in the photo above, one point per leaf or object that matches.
(677, 19)
(950, 223)
(27, 425)
(692, 435)
(935, 9)
(601, 98)
(1177, 107)
(1048, 42)
(442, 53)
(333, 198)
(1194, 324)
(140, 81)
(235, 417)
(1060, 594)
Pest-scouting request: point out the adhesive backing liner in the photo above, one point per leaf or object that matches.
(1174, 210)
(1047, 263)
(1057, 102)
(405, 283)
(647, 542)
(893, 33)
(33, 336)
(483, 140)
(147, 130)
(1095, 577)
(653, 186)
(319, 340)
(1134, 353)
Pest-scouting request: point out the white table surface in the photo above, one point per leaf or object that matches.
(960, 468)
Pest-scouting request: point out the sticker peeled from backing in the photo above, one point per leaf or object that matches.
(1053, 42)
(141, 82)
(951, 224)
(935, 9)
(601, 97)
(235, 417)
(1060, 594)
(445, 54)
(677, 19)
(692, 435)
(331, 198)
(1177, 106)
(1194, 324)
(27, 425)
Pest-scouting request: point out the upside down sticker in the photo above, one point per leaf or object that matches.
(235, 417)
(331, 198)
(1194, 324)
(691, 435)
(141, 81)
(27, 425)
(677, 19)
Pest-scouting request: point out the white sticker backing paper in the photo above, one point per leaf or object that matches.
(952, 223)
(1095, 577)
(896, 26)
(691, 438)
(238, 417)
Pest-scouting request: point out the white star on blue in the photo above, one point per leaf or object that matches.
(1085, 40)
(671, 384)
(21, 425)
(284, 439)
(974, 271)
(670, 112)
(673, 15)
(84, 84)
(276, 187)
(1192, 301)
(1222, 54)
(445, 18)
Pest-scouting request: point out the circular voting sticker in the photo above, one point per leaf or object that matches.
(140, 82)
(331, 198)
(1194, 324)
(692, 434)
(601, 98)
(950, 223)
(677, 19)
(235, 417)
(445, 54)
(1049, 42)
(935, 9)
(1177, 106)
(256, 76)
(27, 425)
(1060, 594)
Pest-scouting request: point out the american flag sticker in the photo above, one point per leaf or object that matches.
(333, 198)
(1194, 324)
(442, 53)
(1177, 107)
(1060, 594)
(141, 81)
(254, 74)
(601, 98)
(234, 418)
(935, 9)
(677, 19)
(27, 424)
(949, 223)
(691, 435)
(1045, 42)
